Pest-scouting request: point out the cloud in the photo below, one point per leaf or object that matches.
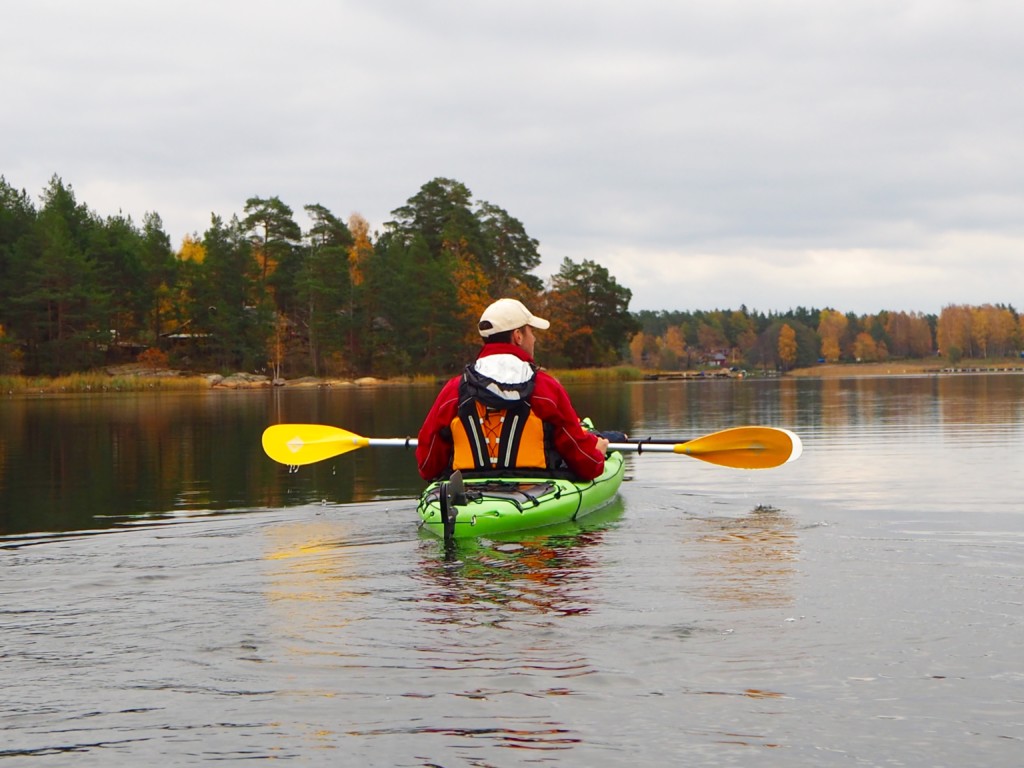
(983, 269)
(708, 154)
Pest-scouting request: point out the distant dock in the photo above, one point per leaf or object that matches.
(722, 373)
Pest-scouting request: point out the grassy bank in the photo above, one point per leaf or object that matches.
(98, 382)
(589, 375)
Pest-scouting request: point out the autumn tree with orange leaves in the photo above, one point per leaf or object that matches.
(787, 346)
(909, 334)
(832, 329)
(472, 293)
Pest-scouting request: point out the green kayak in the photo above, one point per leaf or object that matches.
(488, 506)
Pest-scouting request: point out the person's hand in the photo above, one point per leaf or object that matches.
(602, 444)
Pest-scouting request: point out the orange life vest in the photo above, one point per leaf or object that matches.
(492, 434)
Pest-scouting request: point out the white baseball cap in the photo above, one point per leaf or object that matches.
(507, 315)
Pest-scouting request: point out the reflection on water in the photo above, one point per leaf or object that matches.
(536, 573)
(749, 560)
(699, 407)
(984, 400)
(523, 590)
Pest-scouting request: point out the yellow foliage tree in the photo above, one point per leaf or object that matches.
(361, 249)
(865, 349)
(954, 332)
(192, 250)
(1004, 332)
(636, 349)
(674, 342)
(980, 329)
(787, 346)
(831, 328)
(993, 330)
(987, 330)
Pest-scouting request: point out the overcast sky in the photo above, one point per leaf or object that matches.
(860, 154)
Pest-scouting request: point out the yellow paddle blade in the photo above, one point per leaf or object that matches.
(299, 444)
(745, 447)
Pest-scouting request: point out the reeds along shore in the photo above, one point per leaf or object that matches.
(100, 382)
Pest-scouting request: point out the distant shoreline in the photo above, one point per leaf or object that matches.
(140, 379)
(907, 368)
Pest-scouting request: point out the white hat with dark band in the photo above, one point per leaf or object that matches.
(507, 315)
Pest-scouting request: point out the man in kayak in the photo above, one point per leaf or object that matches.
(503, 415)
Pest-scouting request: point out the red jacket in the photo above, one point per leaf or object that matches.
(549, 401)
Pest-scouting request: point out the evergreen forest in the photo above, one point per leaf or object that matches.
(255, 292)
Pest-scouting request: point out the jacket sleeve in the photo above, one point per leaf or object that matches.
(574, 444)
(433, 447)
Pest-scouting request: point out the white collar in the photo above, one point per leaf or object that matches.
(505, 368)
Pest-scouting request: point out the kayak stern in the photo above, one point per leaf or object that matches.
(504, 505)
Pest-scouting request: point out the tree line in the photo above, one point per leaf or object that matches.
(256, 292)
(803, 336)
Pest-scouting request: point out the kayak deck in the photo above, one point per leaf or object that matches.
(503, 505)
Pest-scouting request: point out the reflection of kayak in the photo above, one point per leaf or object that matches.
(500, 505)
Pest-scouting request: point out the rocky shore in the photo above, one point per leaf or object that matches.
(258, 381)
(242, 380)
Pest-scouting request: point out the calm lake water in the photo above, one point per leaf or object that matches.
(169, 596)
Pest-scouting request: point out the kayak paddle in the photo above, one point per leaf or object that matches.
(739, 447)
